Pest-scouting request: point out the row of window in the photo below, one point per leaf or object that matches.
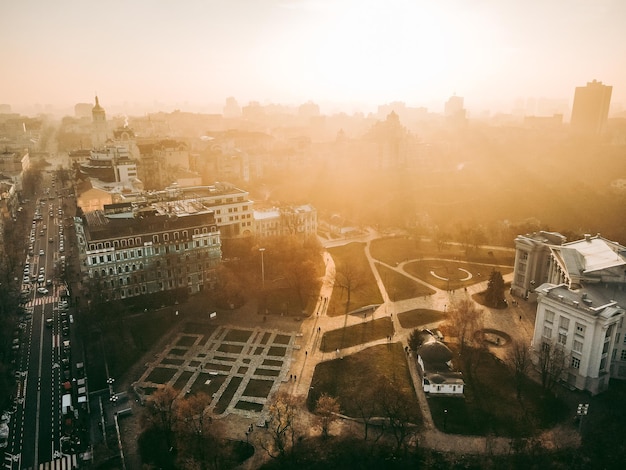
(125, 281)
(137, 241)
(131, 254)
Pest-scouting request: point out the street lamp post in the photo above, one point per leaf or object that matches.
(262, 268)
(445, 419)
(581, 411)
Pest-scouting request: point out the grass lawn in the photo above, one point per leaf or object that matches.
(400, 287)
(258, 388)
(227, 395)
(186, 341)
(491, 406)
(353, 255)
(455, 274)
(394, 250)
(356, 334)
(161, 375)
(355, 375)
(420, 317)
(237, 336)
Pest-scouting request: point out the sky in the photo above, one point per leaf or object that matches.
(338, 53)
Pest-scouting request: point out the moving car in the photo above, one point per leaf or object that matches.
(42, 290)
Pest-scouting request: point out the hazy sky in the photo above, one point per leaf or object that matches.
(291, 51)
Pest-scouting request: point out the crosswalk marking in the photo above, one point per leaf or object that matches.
(65, 462)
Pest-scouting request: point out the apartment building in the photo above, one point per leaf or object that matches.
(127, 249)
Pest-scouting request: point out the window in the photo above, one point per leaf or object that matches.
(580, 329)
(564, 322)
(166, 237)
(575, 363)
(155, 239)
(562, 338)
(623, 355)
(549, 316)
(577, 346)
(547, 332)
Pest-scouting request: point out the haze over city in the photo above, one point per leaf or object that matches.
(344, 55)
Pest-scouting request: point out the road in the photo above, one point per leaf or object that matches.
(37, 423)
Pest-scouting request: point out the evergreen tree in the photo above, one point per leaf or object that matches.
(494, 295)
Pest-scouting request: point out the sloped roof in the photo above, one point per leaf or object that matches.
(590, 255)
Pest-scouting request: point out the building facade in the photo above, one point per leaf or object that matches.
(99, 126)
(581, 294)
(591, 108)
(532, 258)
(129, 250)
(290, 220)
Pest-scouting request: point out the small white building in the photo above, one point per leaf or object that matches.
(435, 360)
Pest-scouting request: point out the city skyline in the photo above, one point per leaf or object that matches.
(344, 55)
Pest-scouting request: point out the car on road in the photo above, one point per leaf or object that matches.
(42, 290)
(48, 282)
(41, 278)
(41, 253)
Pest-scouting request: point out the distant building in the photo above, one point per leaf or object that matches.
(581, 294)
(99, 131)
(591, 108)
(290, 220)
(83, 110)
(232, 110)
(455, 112)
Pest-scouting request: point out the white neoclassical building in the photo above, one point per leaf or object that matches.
(581, 295)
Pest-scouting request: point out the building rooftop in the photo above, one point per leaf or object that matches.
(594, 299)
(590, 255)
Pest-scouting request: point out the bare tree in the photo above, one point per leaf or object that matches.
(551, 362)
(366, 404)
(464, 320)
(327, 408)
(350, 278)
(302, 277)
(519, 361)
(194, 431)
(396, 406)
(282, 426)
(160, 410)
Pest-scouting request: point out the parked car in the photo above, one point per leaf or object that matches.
(42, 290)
